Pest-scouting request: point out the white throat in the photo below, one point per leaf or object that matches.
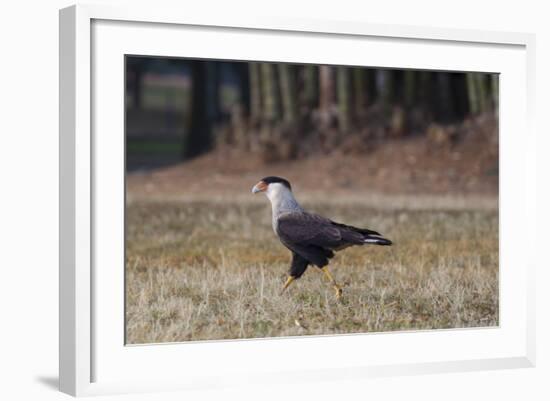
(281, 198)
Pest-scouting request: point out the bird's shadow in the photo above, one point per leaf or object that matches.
(52, 382)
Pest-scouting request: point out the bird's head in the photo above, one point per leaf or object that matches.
(271, 185)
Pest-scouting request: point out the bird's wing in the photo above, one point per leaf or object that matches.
(308, 235)
(307, 229)
(365, 231)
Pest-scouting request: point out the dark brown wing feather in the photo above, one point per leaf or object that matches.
(313, 237)
(365, 231)
(307, 228)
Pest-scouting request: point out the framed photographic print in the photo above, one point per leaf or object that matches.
(294, 200)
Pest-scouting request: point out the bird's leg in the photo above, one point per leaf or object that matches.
(289, 280)
(337, 288)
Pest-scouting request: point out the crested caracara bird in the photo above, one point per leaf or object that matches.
(311, 238)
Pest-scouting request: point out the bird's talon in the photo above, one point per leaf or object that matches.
(289, 280)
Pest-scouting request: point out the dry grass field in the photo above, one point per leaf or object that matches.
(208, 269)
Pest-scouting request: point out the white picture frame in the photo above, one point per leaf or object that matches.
(93, 357)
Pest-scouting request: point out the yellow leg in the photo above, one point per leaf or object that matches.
(289, 280)
(337, 288)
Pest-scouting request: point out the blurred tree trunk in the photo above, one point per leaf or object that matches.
(137, 69)
(459, 90)
(409, 87)
(385, 87)
(444, 99)
(472, 92)
(310, 95)
(213, 91)
(287, 79)
(481, 92)
(236, 130)
(326, 93)
(244, 72)
(495, 91)
(370, 78)
(424, 88)
(270, 93)
(198, 137)
(344, 98)
(360, 93)
(255, 92)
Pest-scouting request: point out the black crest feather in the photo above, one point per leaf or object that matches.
(273, 179)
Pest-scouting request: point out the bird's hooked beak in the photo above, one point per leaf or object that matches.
(259, 187)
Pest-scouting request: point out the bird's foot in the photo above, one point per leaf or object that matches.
(338, 291)
(288, 282)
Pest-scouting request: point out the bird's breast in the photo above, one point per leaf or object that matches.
(275, 224)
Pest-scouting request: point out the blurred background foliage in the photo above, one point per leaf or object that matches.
(178, 109)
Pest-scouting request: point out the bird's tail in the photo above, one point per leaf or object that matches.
(371, 239)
